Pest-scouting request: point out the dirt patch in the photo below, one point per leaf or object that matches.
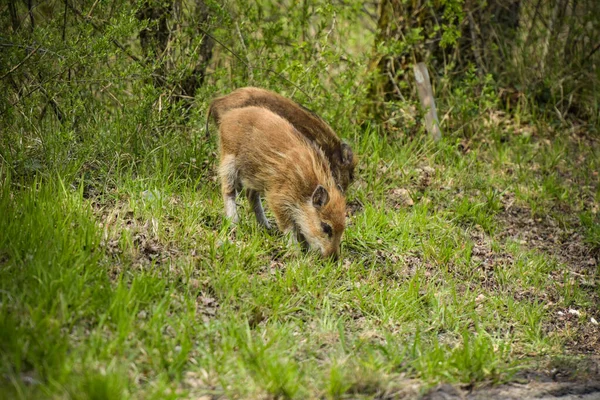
(539, 391)
(146, 248)
(4, 258)
(544, 233)
(580, 262)
(486, 260)
(566, 380)
(207, 306)
(584, 336)
(134, 238)
(406, 196)
(399, 198)
(354, 207)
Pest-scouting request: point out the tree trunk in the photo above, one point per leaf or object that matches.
(196, 78)
(165, 19)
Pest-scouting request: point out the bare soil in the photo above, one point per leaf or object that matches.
(556, 381)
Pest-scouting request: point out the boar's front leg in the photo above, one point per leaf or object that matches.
(228, 173)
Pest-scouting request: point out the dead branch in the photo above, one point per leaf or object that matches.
(432, 122)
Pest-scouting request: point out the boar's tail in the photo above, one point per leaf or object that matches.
(206, 132)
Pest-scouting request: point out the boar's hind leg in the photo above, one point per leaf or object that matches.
(254, 198)
(228, 173)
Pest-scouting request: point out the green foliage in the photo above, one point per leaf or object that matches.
(453, 18)
(52, 282)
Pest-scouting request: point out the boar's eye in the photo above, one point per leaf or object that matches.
(327, 229)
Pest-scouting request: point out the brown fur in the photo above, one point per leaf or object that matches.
(265, 154)
(341, 158)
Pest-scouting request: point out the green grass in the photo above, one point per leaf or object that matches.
(119, 278)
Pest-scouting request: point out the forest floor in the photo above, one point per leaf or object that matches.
(470, 269)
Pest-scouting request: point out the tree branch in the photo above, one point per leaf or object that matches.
(97, 28)
(246, 64)
(19, 64)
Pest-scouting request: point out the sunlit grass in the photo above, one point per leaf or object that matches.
(119, 277)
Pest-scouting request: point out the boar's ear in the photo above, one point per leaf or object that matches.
(347, 155)
(320, 197)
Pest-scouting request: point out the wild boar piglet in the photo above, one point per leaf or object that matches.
(263, 153)
(339, 154)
